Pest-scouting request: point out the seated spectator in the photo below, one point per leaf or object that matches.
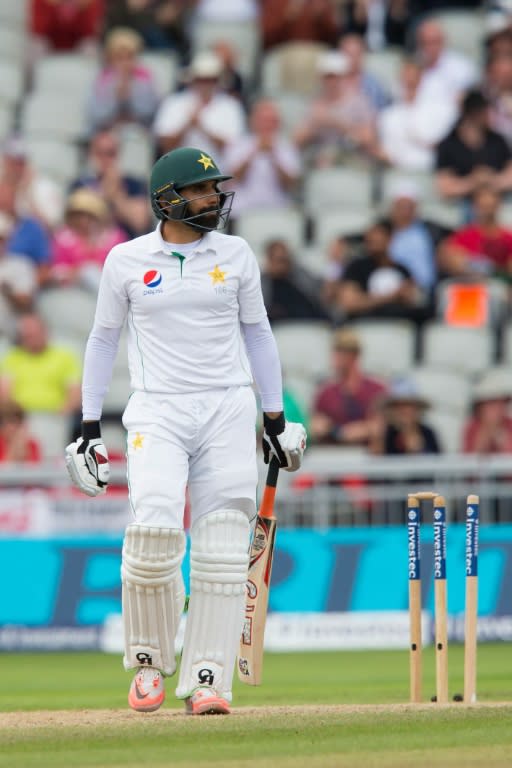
(340, 122)
(498, 89)
(37, 195)
(124, 90)
(16, 443)
(402, 430)
(290, 291)
(126, 195)
(443, 70)
(345, 408)
(483, 246)
(265, 165)
(82, 244)
(293, 20)
(200, 115)
(58, 26)
(412, 243)
(472, 154)
(18, 282)
(28, 236)
(162, 24)
(409, 130)
(374, 286)
(40, 375)
(489, 428)
(354, 48)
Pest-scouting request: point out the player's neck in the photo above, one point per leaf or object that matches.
(176, 232)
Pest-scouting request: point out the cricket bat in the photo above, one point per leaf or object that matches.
(250, 655)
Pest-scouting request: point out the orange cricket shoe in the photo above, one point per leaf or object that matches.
(147, 691)
(206, 701)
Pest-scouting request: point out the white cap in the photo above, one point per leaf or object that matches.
(333, 63)
(205, 64)
(403, 188)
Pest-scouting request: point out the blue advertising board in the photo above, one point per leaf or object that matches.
(57, 592)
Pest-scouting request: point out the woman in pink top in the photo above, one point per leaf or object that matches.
(124, 91)
(80, 246)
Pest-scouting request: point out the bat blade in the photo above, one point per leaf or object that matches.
(250, 656)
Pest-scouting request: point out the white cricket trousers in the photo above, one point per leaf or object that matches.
(206, 440)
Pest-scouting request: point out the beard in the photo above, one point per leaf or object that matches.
(208, 219)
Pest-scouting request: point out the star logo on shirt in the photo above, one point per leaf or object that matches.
(217, 275)
(137, 441)
(206, 161)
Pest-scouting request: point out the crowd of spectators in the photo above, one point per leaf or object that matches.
(446, 115)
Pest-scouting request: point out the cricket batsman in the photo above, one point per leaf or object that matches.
(197, 336)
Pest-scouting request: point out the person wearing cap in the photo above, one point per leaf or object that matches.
(265, 165)
(124, 90)
(345, 408)
(402, 428)
(413, 240)
(339, 121)
(200, 115)
(373, 285)
(197, 334)
(81, 245)
(488, 430)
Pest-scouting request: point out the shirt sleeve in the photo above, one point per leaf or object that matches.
(112, 304)
(100, 355)
(265, 364)
(250, 296)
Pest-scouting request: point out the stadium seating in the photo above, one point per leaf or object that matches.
(388, 346)
(304, 347)
(338, 188)
(260, 226)
(243, 36)
(445, 389)
(467, 350)
(68, 312)
(291, 68)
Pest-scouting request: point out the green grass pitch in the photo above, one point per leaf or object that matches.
(346, 709)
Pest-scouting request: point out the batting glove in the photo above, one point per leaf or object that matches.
(284, 439)
(87, 460)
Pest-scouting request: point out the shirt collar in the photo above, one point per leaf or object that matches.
(156, 244)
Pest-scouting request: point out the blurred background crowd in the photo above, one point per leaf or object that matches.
(370, 143)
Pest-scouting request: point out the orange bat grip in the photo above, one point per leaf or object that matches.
(269, 493)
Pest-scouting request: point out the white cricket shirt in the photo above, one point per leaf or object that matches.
(183, 312)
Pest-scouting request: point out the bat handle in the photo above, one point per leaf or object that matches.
(273, 472)
(269, 492)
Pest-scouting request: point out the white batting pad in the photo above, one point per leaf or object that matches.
(219, 561)
(153, 595)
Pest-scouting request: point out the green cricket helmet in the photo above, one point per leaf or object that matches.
(181, 168)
